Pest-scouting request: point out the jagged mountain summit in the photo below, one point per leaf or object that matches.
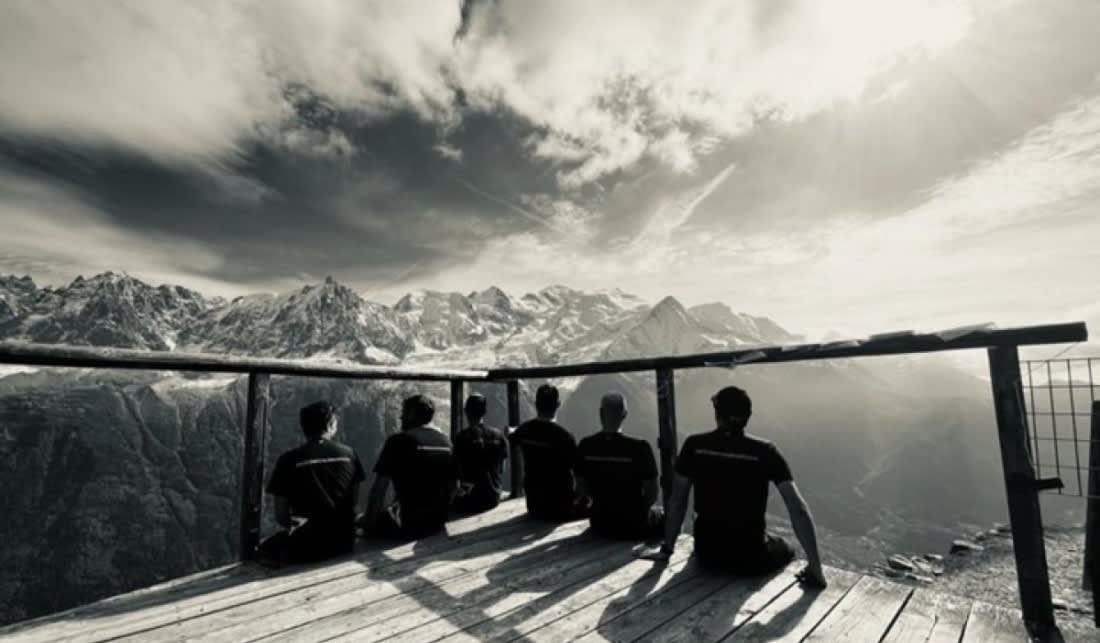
(331, 321)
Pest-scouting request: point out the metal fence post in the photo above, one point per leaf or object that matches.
(666, 425)
(515, 468)
(1021, 489)
(256, 432)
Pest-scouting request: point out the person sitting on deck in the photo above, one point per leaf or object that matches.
(480, 452)
(546, 457)
(315, 486)
(619, 474)
(420, 463)
(730, 471)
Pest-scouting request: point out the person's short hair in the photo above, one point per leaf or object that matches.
(315, 418)
(476, 406)
(732, 402)
(419, 408)
(614, 402)
(546, 399)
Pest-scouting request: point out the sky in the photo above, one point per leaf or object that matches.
(854, 165)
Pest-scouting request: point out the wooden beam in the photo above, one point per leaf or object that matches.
(103, 357)
(457, 402)
(666, 427)
(514, 455)
(256, 431)
(882, 344)
(1023, 496)
(1092, 515)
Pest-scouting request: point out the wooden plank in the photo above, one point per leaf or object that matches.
(795, 612)
(563, 601)
(520, 592)
(930, 617)
(122, 358)
(625, 618)
(274, 614)
(256, 432)
(1024, 513)
(991, 623)
(864, 614)
(412, 617)
(140, 611)
(724, 611)
(666, 425)
(671, 583)
(891, 345)
(457, 402)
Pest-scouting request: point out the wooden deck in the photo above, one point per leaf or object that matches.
(502, 577)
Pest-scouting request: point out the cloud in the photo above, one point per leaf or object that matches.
(194, 82)
(610, 83)
(604, 85)
(55, 235)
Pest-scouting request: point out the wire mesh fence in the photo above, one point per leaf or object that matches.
(1059, 395)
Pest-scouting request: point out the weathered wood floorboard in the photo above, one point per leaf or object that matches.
(722, 612)
(929, 617)
(502, 577)
(989, 623)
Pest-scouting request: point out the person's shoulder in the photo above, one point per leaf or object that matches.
(760, 443)
(697, 439)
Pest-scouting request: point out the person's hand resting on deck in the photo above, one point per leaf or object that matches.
(812, 576)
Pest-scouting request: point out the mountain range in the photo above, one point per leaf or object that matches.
(127, 478)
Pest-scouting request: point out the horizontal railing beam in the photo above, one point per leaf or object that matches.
(104, 357)
(887, 344)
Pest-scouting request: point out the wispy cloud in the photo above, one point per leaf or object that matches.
(523, 212)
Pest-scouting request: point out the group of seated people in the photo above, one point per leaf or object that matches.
(609, 478)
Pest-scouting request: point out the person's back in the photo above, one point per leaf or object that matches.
(549, 453)
(420, 463)
(316, 488)
(731, 471)
(480, 452)
(616, 470)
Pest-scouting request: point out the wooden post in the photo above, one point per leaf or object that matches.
(514, 456)
(1020, 486)
(456, 408)
(256, 431)
(666, 425)
(1092, 515)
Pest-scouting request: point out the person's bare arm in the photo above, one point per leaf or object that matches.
(650, 488)
(803, 523)
(674, 518)
(282, 511)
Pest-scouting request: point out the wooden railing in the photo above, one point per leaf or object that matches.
(1021, 484)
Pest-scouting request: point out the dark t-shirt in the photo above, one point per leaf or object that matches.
(480, 452)
(320, 482)
(421, 464)
(615, 468)
(549, 455)
(730, 472)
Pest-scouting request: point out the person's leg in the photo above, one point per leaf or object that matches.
(273, 550)
(778, 553)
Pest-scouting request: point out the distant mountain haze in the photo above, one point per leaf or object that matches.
(126, 478)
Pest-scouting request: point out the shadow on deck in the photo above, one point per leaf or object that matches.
(502, 577)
